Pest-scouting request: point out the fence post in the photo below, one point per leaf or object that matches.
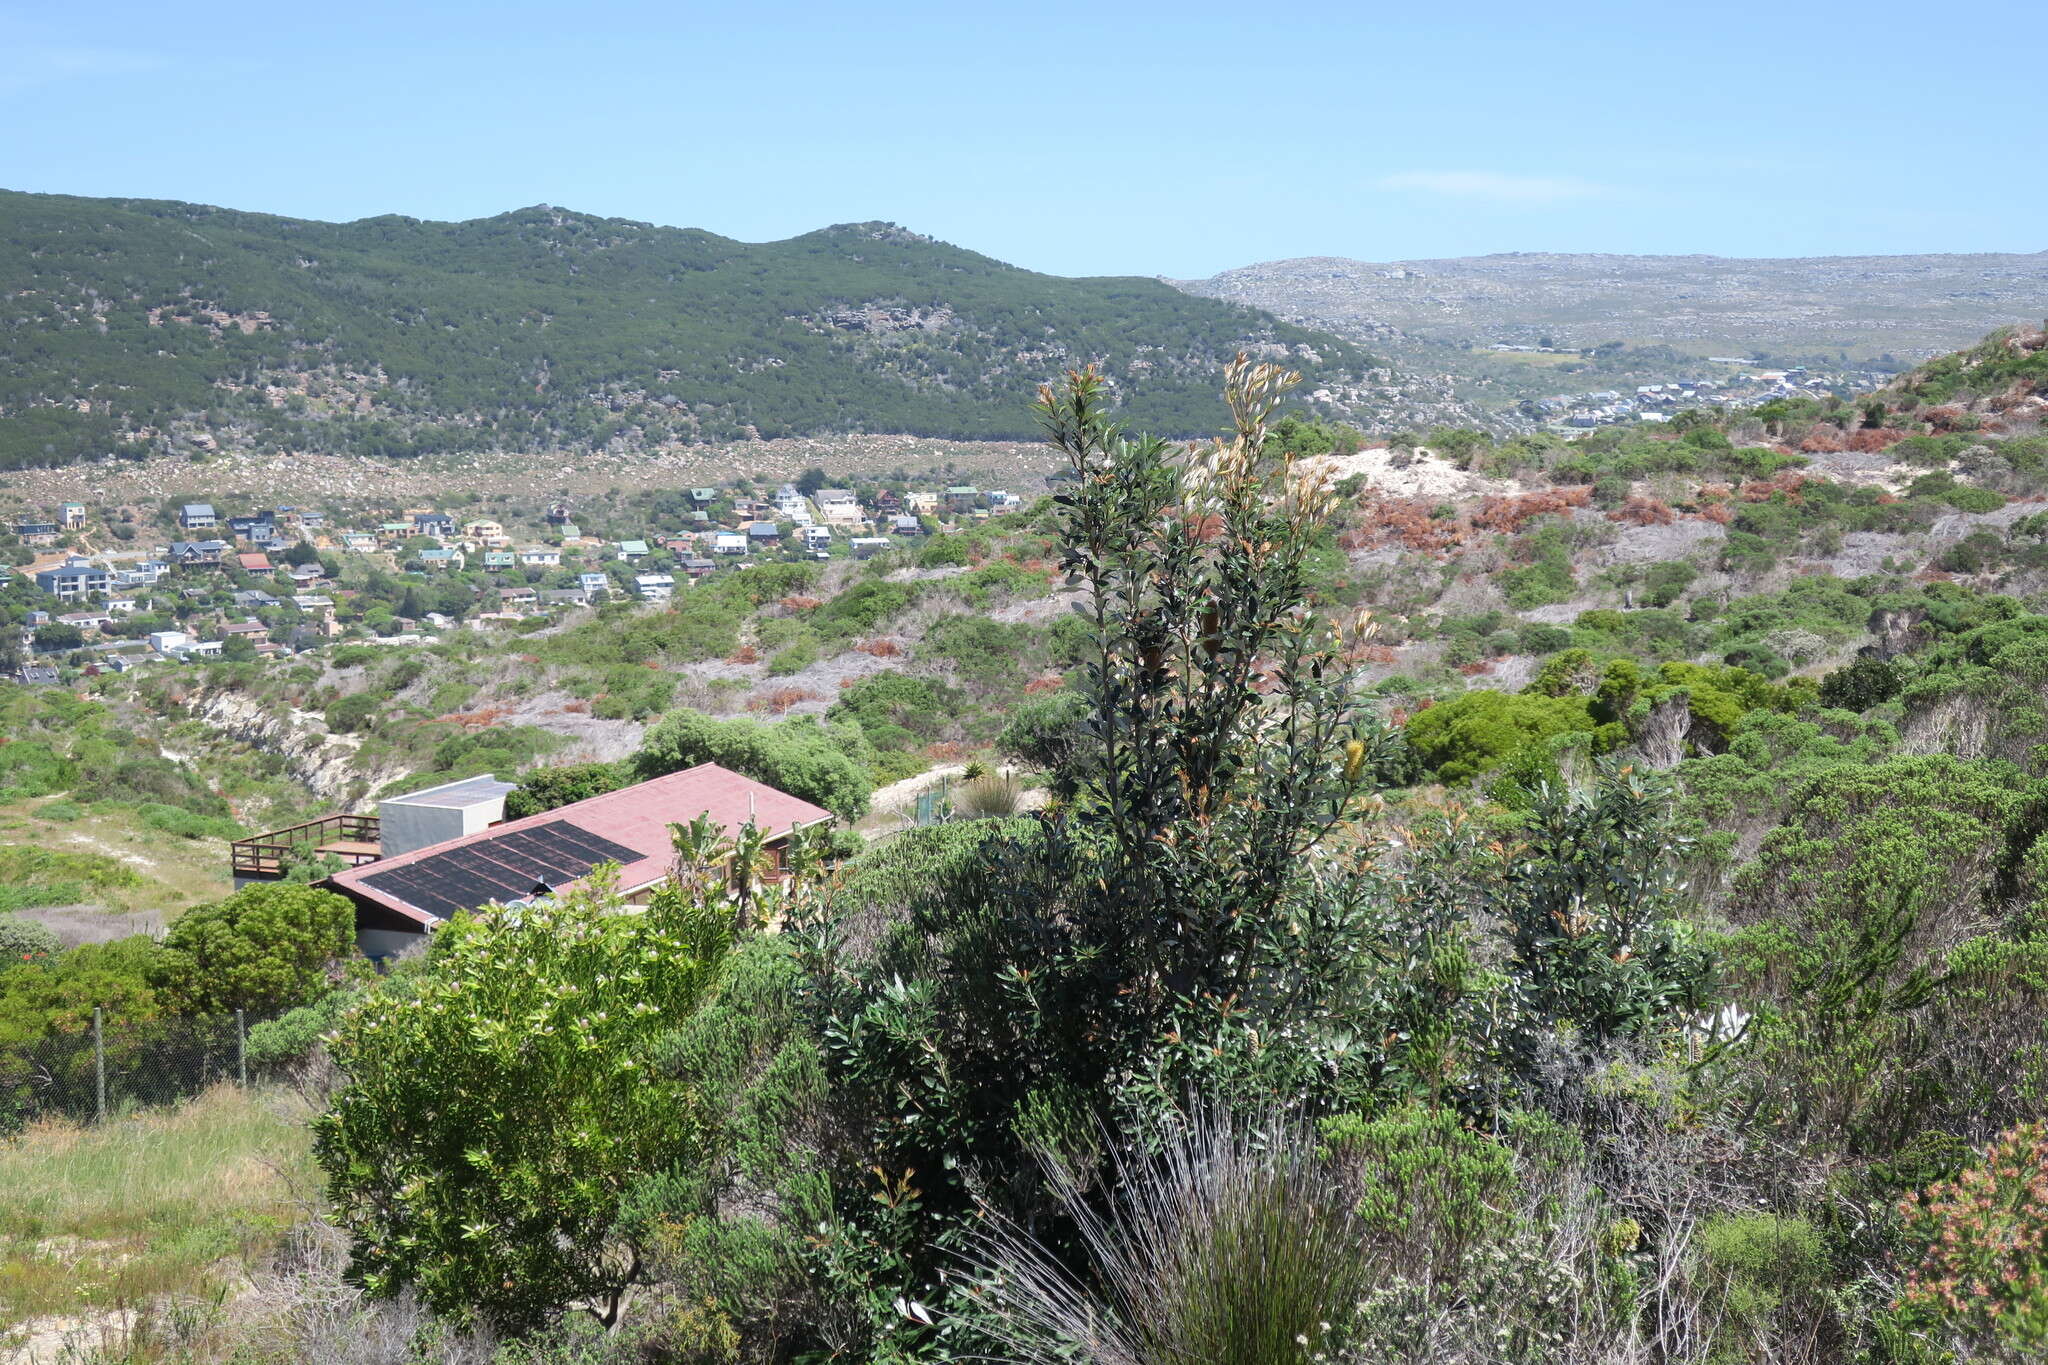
(241, 1050)
(99, 1067)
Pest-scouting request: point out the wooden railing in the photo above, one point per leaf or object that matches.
(353, 839)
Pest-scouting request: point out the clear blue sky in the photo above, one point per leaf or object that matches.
(1175, 138)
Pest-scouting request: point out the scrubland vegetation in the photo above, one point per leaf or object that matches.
(1496, 929)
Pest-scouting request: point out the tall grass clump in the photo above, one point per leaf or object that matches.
(1235, 1245)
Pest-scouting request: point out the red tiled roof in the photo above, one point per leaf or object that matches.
(637, 817)
(254, 562)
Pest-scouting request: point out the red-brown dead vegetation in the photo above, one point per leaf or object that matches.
(1823, 439)
(1947, 417)
(1045, 682)
(1870, 440)
(1510, 514)
(1642, 511)
(781, 699)
(482, 718)
(1476, 667)
(745, 654)
(945, 751)
(881, 648)
(798, 602)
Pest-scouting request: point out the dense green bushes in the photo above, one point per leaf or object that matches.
(821, 764)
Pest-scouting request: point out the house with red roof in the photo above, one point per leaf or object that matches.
(254, 563)
(429, 855)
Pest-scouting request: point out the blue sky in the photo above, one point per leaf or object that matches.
(1176, 139)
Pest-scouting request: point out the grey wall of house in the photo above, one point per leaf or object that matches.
(401, 828)
(381, 943)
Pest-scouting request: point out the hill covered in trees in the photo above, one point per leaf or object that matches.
(136, 326)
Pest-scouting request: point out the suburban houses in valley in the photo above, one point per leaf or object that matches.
(243, 583)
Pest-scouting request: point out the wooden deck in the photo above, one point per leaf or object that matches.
(353, 839)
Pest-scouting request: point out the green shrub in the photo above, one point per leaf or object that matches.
(265, 949)
(824, 766)
(24, 940)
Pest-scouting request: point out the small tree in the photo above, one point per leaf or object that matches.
(498, 1110)
(264, 949)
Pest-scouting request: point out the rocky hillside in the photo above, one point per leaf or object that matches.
(137, 326)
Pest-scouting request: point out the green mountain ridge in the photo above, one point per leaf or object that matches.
(136, 325)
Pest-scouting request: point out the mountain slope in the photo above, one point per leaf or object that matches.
(1911, 307)
(133, 322)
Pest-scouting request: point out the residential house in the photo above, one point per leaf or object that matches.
(763, 534)
(358, 542)
(36, 532)
(37, 675)
(254, 562)
(256, 527)
(197, 516)
(73, 579)
(654, 587)
(37, 617)
(254, 599)
(728, 543)
(436, 524)
(313, 602)
(888, 502)
(558, 514)
(245, 630)
(789, 502)
(441, 558)
(303, 575)
(703, 497)
(72, 514)
(633, 550)
(541, 557)
(564, 597)
(921, 504)
(500, 559)
(486, 532)
(571, 532)
(397, 530)
(696, 566)
(123, 606)
(962, 498)
(593, 583)
(904, 524)
(816, 539)
(143, 575)
(867, 547)
(449, 849)
(168, 641)
(90, 622)
(839, 507)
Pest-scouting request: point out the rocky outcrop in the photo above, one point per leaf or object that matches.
(323, 761)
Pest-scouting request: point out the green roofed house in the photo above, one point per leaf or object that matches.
(630, 550)
(499, 559)
(703, 497)
(962, 497)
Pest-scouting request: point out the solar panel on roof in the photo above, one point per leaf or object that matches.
(505, 867)
(596, 847)
(554, 860)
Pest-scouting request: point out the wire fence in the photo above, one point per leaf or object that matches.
(110, 1067)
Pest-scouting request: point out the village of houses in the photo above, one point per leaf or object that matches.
(246, 584)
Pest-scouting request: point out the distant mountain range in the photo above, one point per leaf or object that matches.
(1906, 307)
(139, 326)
